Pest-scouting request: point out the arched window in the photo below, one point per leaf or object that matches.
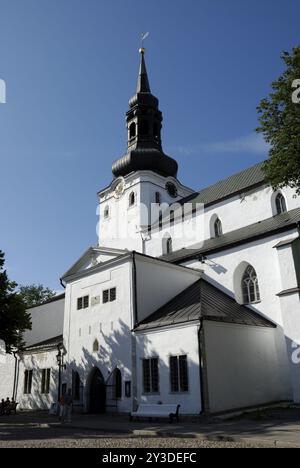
(118, 384)
(132, 199)
(280, 204)
(106, 212)
(132, 130)
(96, 346)
(169, 245)
(250, 286)
(144, 128)
(218, 231)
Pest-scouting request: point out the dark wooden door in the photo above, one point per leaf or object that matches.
(97, 393)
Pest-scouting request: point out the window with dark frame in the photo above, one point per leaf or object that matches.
(45, 389)
(179, 374)
(150, 375)
(83, 302)
(27, 382)
(109, 295)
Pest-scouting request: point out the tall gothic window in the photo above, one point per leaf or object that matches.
(218, 228)
(280, 204)
(250, 286)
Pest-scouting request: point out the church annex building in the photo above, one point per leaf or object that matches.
(190, 297)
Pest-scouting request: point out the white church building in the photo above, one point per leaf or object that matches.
(190, 297)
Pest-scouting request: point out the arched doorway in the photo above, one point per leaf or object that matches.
(97, 397)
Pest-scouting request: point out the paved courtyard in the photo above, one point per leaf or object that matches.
(278, 428)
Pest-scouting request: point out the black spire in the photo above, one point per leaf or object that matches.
(143, 82)
(144, 123)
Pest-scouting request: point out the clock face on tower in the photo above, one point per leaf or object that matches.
(119, 189)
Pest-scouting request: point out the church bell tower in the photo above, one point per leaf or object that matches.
(144, 176)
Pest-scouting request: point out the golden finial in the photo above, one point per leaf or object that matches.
(142, 50)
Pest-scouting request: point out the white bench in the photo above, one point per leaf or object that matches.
(156, 411)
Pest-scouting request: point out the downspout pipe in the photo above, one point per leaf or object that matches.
(200, 352)
(15, 375)
(134, 283)
(133, 338)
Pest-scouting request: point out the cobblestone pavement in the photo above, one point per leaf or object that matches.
(42, 430)
(106, 441)
(18, 436)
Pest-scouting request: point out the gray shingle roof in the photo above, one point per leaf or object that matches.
(237, 183)
(203, 300)
(267, 227)
(50, 343)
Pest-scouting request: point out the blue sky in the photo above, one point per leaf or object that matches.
(70, 67)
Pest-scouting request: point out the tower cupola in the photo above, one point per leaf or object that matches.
(144, 124)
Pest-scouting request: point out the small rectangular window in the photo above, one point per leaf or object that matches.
(150, 375)
(27, 381)
(83, 302)
(112, 294)
(109, 295)
(179, 374)
(105, 296)
(45, 381)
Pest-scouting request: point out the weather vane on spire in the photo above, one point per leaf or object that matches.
(143, 37)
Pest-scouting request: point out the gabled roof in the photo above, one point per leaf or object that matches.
(51, 343)
(91, 253)
(265, 228)
(235, 184)
(203, 300)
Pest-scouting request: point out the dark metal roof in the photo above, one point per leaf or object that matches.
(50, 343)
(267, 227)
(203, 300)
(54, 299)
(144, 147)
(235, 184)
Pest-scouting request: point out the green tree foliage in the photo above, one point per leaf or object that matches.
(35, 294)
(14, 319)
(279, 119)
